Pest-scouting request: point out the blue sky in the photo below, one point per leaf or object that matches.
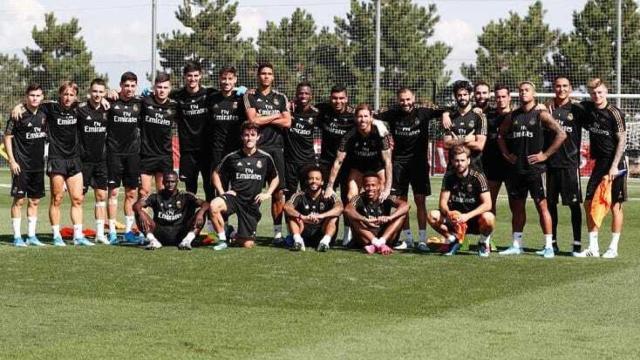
(118, 31)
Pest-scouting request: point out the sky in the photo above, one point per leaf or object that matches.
(118, 31)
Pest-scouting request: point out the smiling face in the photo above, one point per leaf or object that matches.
(339, 101)
(462, 98)
(371, 185)
(97, 93)
(227, 81)
(314, 180)
(599, 95)
(128, 89)
(562, 88)
(192, 80)
(303, 96)
(161, 90)
(364, 120)
(406, 100)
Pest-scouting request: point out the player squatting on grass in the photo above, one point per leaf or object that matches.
(128, 140)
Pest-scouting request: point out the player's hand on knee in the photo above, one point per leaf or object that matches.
(231, 192)
(329, 192)
(262, 197)
(384, 194)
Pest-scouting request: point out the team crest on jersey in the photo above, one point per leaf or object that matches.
(471, 123)
(169, 112)
(259, 164)
(321, 206)
(135, 107)
(416, 122)
(570, 117)
(239, 163)
(469, 188)
(276, 102)
(532, 122)
(235, 105)
(178, 204)
(104, 116)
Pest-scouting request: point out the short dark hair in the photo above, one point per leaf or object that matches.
(228, 70)
(98, 81)
(561, 77)
(128, 76)
(304, 83)
(249, 125)
(501, 87)
(162, 77)
(191, 66)
(462, 85)
(481, 83)
(403, 90)
(264, 65)
(309, 168)
(168, 173)
(338, 88)
(33, 87)
(368, 174)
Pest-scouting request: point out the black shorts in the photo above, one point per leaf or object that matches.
(29, 184)
(619, 186)
(170, 235)
(94, 175)
(496, 170)
(123, 169)
(312, 234)
(64, 167)
(473, 226)
(277, 154)
(248, 215)
(293, 174)
(564, 182)
(192, 163)
(519, 185)
(415, 173)
(150, 165)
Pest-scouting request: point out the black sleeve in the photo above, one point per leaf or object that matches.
(11, 124)
(271, 169)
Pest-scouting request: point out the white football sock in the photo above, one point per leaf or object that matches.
(112, 226)
(32, 221)
(99, 228)
(55, 229)
(615, 237)
(548, 241)
(517, 239)
(77, 231)
(593, 241)
(423, 235)
(15, 223)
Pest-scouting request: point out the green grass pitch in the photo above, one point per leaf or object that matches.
(266, 303)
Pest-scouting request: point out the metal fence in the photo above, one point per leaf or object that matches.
(371, 47)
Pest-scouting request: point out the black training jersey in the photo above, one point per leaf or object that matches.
(223, 129)
(299, 141)
(410, 131)
(266, 105)
(334, 126)
(603, 125)
(123, 127)
(157, 124)
(306, 205)
(247, 174)
(491, 151)
(372, 209)
(173, 210)
(28, 139)
(464, 191)
(93, 132)
(524, 138)
(467, 124)
(571, 117)
(364, 152)
(62, 130)
(193, 117)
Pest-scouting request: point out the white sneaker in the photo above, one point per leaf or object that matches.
(610, 254)
(153, 245)
(184, 245)
(102, 240)
(405, 245)
(588, 253)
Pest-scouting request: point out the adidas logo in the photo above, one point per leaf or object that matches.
(88, 117)
(29, 125)
(116, 107)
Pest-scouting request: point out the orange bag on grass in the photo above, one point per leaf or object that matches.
(67, 232)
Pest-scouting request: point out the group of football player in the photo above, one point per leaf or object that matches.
(253, 145)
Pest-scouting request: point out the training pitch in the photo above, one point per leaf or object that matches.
(123, 302)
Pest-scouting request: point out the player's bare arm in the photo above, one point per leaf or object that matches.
(549, 123)
(273, 184)
(335, 169)
(388, 174)
(13, 164)
(485, 206)
(621, 136)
